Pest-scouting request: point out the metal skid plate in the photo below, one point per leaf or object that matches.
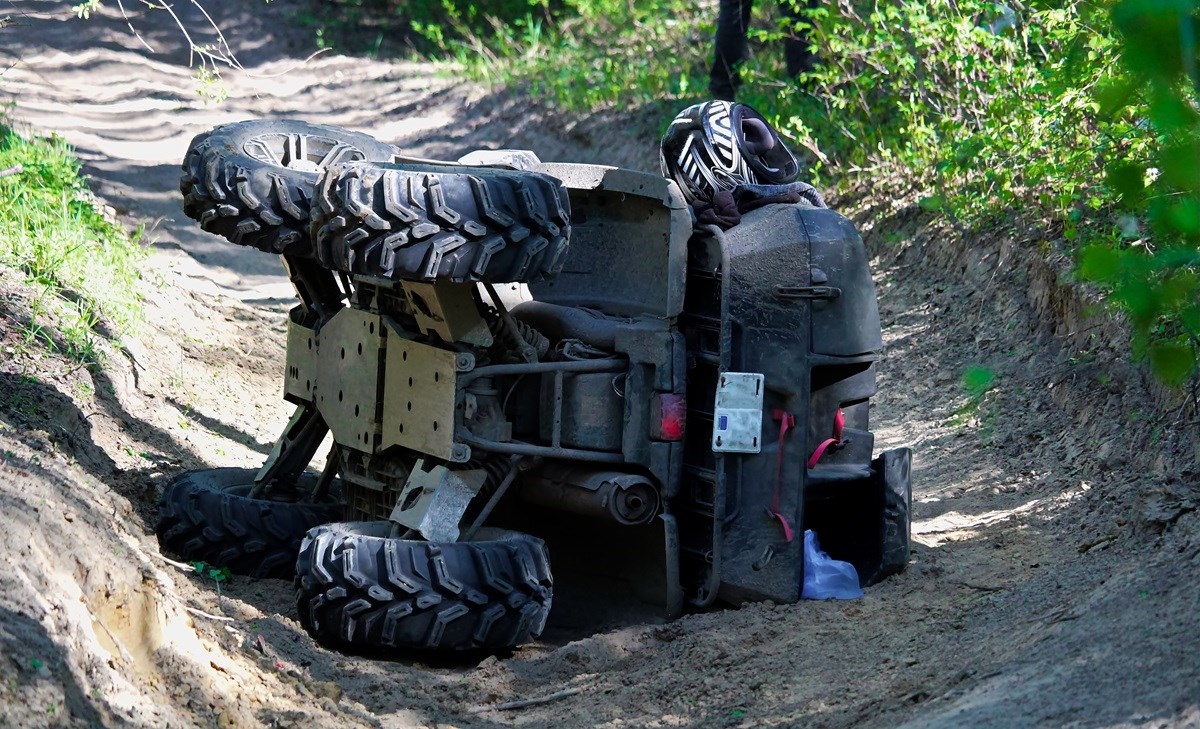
(347, 377)
(300, 375)
(737, 419)
(448, 310)
(433, 502)
(419, 389)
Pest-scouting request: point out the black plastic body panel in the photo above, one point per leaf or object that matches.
(629, 234)
(848, 325)
(788, 294)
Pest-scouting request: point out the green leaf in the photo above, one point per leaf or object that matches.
(1115, 96)
(1099, 263)
(977, 380)
(1178, 289)
(1170, 111)
(1172, 362)
(220, 574)
(1128, 179)
(1184, 217)
(1181, 165)
(1190, 317)
(932, 203)
(1152, 35)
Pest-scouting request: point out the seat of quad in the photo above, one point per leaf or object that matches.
(629, 239)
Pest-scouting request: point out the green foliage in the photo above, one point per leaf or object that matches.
(51, 230)
(431, 26)
(582, 54)
(216, 574)
(85, 9)
(1074, 124)
(1152, 270)
(978, 380)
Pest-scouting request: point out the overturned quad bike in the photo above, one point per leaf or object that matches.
(509, 354)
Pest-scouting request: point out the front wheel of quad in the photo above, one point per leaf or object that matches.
(252, 181)
(359, 588)
(441, 222)
(207, 516)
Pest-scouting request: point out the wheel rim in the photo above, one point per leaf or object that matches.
(303, 152)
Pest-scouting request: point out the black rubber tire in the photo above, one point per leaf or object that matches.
(441, 222)
(205, 515)
(356, 588)
(896, 519)
(255, 202)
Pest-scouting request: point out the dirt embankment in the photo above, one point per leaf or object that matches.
(1053, 584)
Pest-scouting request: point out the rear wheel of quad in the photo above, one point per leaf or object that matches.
(252, 181)
(207, 516)
(358, 588)
(441, 222)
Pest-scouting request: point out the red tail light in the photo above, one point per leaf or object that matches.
(668, 416)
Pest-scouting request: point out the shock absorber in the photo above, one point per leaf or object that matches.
(531, 344)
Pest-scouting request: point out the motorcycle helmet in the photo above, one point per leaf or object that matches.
(717, 145)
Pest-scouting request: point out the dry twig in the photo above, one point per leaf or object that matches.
(181, 565)
(508, 705)
(210, 616)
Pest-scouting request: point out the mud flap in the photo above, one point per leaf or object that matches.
(894, 470)
(867, 522)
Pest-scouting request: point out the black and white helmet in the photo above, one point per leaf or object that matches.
(717, 145)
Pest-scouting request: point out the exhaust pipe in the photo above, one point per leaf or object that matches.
(625, 498)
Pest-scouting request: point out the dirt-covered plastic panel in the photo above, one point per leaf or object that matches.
(773, 301)
(845, 324)
(628, 243)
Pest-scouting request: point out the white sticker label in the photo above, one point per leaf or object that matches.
(737, 419)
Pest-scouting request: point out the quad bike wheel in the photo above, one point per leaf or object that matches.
(358, 588)
(206, 515)
(252, 181)
(441, 222)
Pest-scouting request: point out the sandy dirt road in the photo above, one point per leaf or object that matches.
(1054, 583)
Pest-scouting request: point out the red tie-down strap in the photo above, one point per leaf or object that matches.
(787, 421)
(839, 423)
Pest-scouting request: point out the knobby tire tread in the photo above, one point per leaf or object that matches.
(451, 222)
(200, 520)
(367, 592)
(251, 202)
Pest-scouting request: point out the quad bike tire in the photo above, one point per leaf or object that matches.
(252, 181)
(357, 588)
(206, 516)
(420, 222)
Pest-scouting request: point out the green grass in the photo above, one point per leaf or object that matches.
(85, 266)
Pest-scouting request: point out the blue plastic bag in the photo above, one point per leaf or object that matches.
(826, 578)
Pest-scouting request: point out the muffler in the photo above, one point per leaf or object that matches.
(625, 498)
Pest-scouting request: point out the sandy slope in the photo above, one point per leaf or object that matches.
(1054, 583)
